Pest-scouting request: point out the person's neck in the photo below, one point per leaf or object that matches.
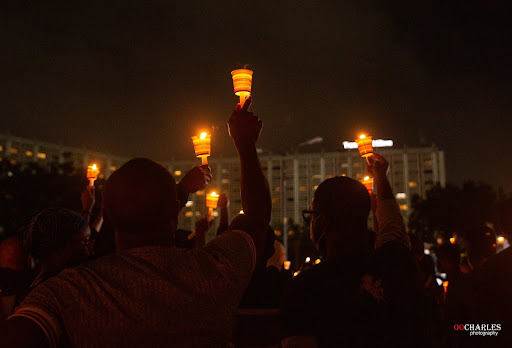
(144, 238)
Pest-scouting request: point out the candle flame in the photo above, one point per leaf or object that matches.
(501, 239)
(452, 240)
(362, 136)
(94, 167)
(317, 261)
(203, 135)
(366, 178)
(214, 194)
(445, 285)
(308, 259)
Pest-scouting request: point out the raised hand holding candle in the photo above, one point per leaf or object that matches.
(202, 146)
(92, 173)
(242, 83)
(364, 144)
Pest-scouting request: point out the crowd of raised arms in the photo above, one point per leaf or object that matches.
(131, 278)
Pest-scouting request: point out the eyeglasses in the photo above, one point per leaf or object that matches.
(308, 214)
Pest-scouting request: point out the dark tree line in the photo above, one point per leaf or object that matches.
(453, 209)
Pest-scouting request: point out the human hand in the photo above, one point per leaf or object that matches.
(377, 166)
(88, 198)
(244, 127)
(202, 226)
(223, 201)
(197, 178)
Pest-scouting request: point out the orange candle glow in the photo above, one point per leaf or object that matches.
(211, 202)
(92, 173)
(242, 83)
(501, 239)
(202, 146)
(364, 144)
(452, 240)
(287, 265)
(368, 183)
(445, 286)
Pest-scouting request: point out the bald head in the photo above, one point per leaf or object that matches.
(342, 199)
(140, 196)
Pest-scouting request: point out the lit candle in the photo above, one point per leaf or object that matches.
(308, 259)
(242, 83)
(501, 239)
(445, 286)
(317, 261)
(287, 265)
(92, 173)
(202, 146)
(211, 202)
(452, 240)
(364, 144)
(368, 183)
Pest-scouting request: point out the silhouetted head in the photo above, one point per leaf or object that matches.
(140, 198)
(341, 206)
(58, 231)
(480, 245)
(448, 258)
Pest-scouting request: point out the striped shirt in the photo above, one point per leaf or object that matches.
(149, 296)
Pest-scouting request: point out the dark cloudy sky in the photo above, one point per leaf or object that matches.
(139, 78)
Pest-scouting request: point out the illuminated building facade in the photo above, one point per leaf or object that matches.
(293, 178)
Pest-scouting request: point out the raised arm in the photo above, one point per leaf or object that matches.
(390, 220)
(245, 129)
(194, 180)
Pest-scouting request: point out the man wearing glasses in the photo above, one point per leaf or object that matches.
(363, 293)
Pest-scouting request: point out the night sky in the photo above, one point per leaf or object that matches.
(139, 78)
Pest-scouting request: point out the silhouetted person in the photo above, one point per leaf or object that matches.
(354, 297)
(150, 293)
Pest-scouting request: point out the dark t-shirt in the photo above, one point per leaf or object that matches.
(366, 301)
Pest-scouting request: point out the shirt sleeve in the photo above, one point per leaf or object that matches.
(234, 253)
(391, 224)
(41, 306)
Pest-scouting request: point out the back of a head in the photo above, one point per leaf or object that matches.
(139, 196)
(50, 231)
(480, 244)
(448, 257)
(343, 201)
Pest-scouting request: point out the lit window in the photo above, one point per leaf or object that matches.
(41, 155)
(13, 150)
(225, 181)
(1, 148)
(277, 233)
(113, 168)
(343, 174)
(13, 161)
(413, 184)
(403, 206)
(315, 187)
(198, 213)
(215, 213)
(200, 193)
(303, 188)
(29, 153)
(1, 159)
(189, 214)
(189, 204)
(177, 172)
(329, 176)
(400, 195)
(275, 200)
(316, 176)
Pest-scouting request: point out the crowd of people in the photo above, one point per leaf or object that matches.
(131, 278)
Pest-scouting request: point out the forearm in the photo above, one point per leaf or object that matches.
(224, 220)
(254, 188)
(390, 222)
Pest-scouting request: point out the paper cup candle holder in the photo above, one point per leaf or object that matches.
(211, 202)
(92, 173)
(202, 146)
(364, 144)
(242, 83)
